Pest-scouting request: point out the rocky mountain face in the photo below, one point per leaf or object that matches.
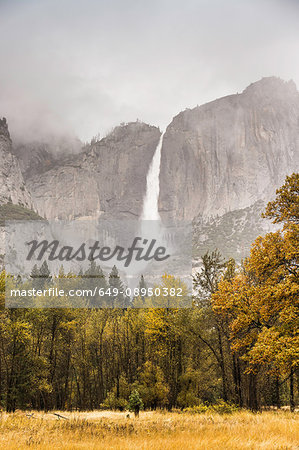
(232, 233)
(107, 177)
(41, 155)
(12, 185)
(230, 153)
(221, 162)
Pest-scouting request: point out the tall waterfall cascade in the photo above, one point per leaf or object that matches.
(150, 203)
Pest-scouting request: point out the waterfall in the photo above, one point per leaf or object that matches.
(150, 202)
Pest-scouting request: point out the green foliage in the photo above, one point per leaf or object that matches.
(152, 386)
(116, 285)
(44, 270)
(135, 402)
(197, 409)
(96, 279)
(117, 398)
(188, 395)
(220, 407)
(206, 280)
(113, 402)
(187, 398)
(10, 211)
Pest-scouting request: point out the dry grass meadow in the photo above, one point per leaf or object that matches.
(152, 430)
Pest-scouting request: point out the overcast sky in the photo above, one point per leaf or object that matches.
(84, 66)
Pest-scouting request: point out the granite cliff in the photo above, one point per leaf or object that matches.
(107, 177)
(43, 154)
(12, 185)
(230, 153)
(232, 233)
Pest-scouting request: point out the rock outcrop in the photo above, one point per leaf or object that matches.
(232, 233)
(108, 177)
(230, 153)
(41, 155)
(12, 185)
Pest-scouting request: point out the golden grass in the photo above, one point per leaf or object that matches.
(153, 430)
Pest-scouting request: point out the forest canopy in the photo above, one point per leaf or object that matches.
(238, 344)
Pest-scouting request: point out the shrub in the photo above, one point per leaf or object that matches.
(221, 407)
(135, 402)
(152, 386)
(197, 409)
(188, 399)
(113, 402)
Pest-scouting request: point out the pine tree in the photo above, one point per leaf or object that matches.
(135, 403)
(95, 279)
(117, 289)
(61, 273)
(142, 288)
(34, 272)
(93, 271)
(40, 276)
(44, 271)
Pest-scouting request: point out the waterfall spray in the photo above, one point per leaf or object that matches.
(150, 225)
(150, 203)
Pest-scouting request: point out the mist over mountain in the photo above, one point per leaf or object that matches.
(40, 155)
(107, 177)
(220, 163)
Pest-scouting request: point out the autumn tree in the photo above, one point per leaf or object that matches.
(205, 283)
(262, 302)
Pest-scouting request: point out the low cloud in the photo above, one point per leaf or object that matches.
(81, 67)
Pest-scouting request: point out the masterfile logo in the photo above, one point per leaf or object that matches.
(98, 263)
(146, 251)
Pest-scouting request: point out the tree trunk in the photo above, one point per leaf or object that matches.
(292, 400)
(277, 393)
(252, 400)
(222, 366)
(237, 380)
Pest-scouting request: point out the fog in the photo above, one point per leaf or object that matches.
(83, 66)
